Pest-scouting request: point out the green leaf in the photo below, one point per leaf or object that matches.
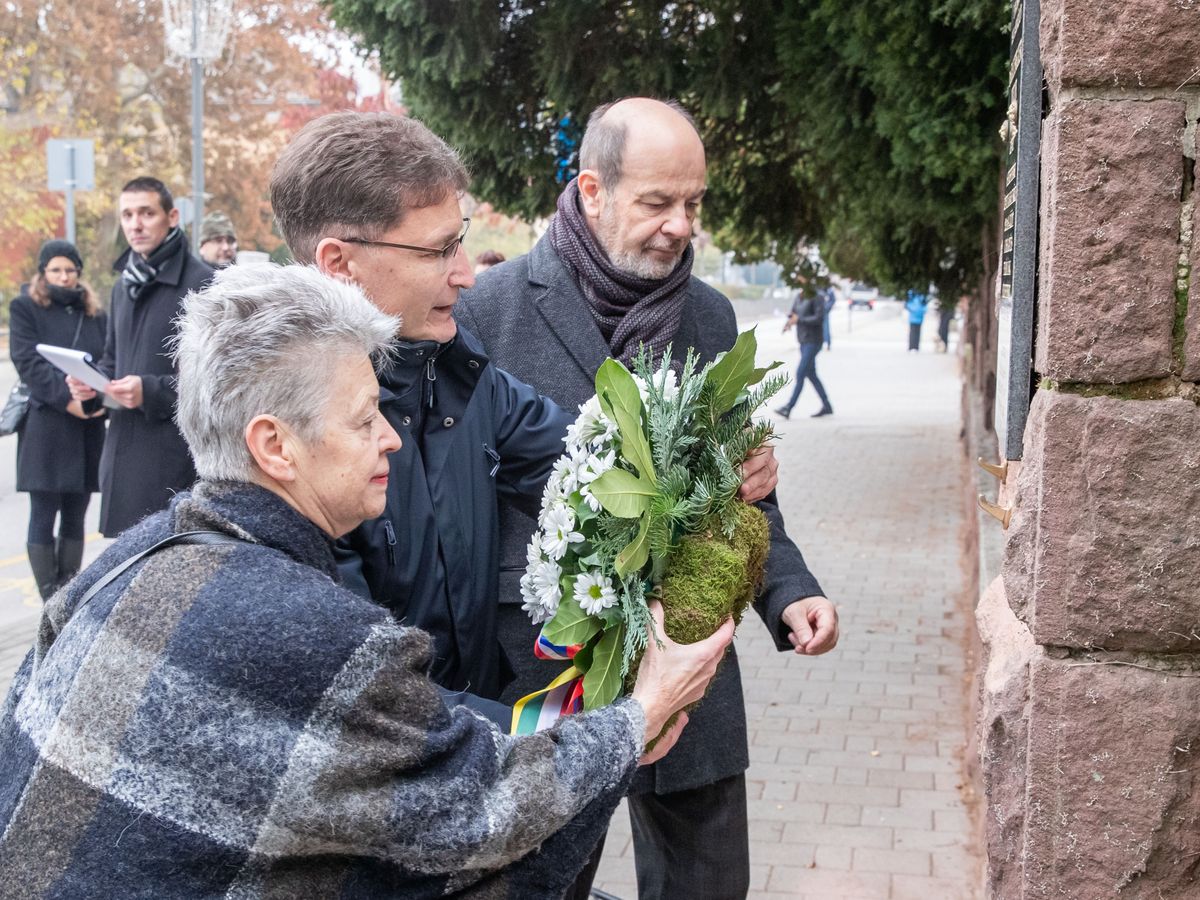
(759, 374)
(635, 554)
(583, 512)
(583, 659)
(602, 683)
(731, 372)
(623, 494)
(621, 402)
(570, 625)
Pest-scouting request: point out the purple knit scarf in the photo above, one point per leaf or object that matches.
(629, 310)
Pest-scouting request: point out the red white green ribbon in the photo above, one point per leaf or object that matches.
(541, 709)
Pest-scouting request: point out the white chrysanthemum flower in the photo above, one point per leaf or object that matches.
(603, 433)
(564, 475)
(594, 592)
(531, 601)
(547, 587)
(533, 552)
(559, 528)
(596, 465)
(592, 428)
(552, 493)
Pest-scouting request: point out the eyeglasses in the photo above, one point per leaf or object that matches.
(445, 254)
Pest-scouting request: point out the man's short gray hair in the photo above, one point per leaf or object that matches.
(603, 143)
(262, 339)
(352, 174)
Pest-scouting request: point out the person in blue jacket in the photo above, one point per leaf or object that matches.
(916, 305)
(374, 199)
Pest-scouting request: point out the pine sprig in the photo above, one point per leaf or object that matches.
(638, 621)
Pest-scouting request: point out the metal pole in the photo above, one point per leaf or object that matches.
(197, 130)
(71, 193)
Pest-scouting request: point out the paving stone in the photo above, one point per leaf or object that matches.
(909, 862)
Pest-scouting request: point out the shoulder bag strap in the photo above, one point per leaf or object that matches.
(186, 537)
(78, 328)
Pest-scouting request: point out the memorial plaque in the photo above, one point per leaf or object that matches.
(1017, 300)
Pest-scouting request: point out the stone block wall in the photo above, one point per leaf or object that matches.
(1090, 724)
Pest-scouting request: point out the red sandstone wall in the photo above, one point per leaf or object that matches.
(1090, 729)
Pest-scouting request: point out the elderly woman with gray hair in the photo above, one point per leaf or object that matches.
(207, 713)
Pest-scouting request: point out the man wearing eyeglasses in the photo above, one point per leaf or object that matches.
(374, 199)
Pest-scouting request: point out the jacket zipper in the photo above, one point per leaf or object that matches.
(390, 533)
(495, 460)
(430, 378)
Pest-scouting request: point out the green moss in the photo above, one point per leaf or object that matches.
(710, 579)
(751, 539)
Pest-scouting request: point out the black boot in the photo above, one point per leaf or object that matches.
(70, 557)
(44, 566)
(825, 410)
(783, 411)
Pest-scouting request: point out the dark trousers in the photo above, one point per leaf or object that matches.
(914, 335)
(947, 315)
(692, 844)
(46, 506)
(808, 369)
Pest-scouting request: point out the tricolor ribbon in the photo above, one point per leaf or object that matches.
(541, 709)
(561, 697)
(543, 649)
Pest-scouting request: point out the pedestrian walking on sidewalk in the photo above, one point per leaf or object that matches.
(58, 444)
(916, 306)
(808, 315)
(946, 310)
(830, 301)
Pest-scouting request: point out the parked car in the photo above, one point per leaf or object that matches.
(862, 295)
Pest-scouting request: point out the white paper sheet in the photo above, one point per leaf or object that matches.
(76, 363)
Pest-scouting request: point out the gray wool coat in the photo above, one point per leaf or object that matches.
(226, 721)
(534, 322)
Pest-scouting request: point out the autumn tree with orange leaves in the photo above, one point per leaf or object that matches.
(101, 70)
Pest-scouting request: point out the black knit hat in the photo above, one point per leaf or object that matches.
(52, 249)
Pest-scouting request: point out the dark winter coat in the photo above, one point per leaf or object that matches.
(810, 319)
(470, 433)
(56, 451)
(145, 460)
(226, 721)
(533, 321)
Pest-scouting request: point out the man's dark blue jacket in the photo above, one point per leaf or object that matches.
(470, 433)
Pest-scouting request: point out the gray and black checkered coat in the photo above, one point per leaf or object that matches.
(226, 721)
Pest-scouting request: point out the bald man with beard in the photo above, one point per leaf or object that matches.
(612, 273)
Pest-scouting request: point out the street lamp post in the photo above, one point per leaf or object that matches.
(197, 35)
(197, 130)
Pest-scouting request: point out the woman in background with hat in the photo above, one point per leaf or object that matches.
(58, 449)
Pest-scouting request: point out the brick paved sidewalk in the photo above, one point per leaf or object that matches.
(855, 785)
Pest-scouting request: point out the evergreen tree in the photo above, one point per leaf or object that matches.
(870, 127)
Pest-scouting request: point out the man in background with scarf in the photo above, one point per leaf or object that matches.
(612, 273)
(145, 460)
